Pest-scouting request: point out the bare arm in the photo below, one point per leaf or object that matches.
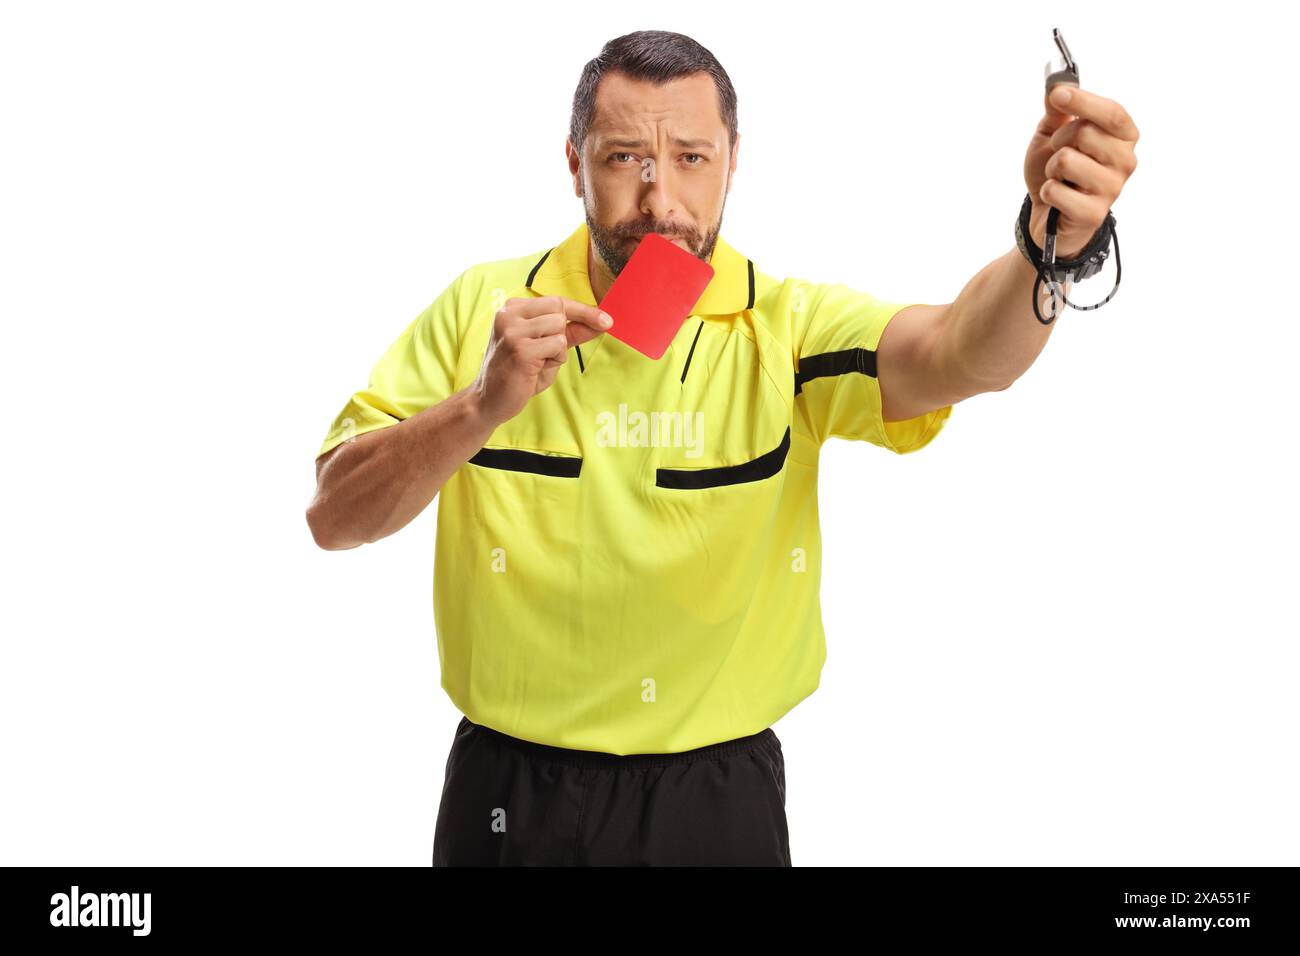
(935, 355)
(375, 484)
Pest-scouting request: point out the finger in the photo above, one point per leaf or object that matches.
(579, 334)
(1054, 111)
(589, 315)
(532, 308)
(1107, 114)
(1083, 173)
(549, 323)
(1087, 137)
(554, 304)
(1076, 206)
(554, 347)
(1053, 118)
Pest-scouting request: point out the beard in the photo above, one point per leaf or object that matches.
(613, 248)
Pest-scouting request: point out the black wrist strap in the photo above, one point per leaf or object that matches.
(1053, 271)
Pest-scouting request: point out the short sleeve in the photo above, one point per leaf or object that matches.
(837, 330)
(417, 371)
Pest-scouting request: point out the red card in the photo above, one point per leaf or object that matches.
(653, 295)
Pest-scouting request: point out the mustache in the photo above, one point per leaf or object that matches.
(636, 230)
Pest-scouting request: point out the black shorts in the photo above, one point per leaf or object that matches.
(512, 802)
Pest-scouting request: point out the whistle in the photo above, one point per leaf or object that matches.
(1062, 69)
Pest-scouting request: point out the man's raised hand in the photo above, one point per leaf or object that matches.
(530, 340)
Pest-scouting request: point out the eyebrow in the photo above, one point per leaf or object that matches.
(677, 141)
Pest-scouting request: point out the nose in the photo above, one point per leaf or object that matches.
(657, 201)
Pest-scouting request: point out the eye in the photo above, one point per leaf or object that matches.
(615, 156)
(697, 156)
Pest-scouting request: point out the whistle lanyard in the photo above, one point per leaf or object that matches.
(1047, 274)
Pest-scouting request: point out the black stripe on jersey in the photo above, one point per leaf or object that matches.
(516, 459)
(834, 363)
(698, 330)
(532, 275)
(765, 466)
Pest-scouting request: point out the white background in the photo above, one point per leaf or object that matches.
(1063, 633)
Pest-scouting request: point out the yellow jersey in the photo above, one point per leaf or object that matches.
(632, 563)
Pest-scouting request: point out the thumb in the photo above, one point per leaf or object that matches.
(1055, 114)
(585, 321)
(580, 334)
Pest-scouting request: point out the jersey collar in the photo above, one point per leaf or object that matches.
(563, 271)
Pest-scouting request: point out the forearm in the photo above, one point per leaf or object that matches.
(375, 484)
(991, 336)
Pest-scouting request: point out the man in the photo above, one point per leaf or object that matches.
(628, 554)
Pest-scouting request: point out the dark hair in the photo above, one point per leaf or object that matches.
(657, 56)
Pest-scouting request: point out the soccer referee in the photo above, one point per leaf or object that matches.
(628, 554)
